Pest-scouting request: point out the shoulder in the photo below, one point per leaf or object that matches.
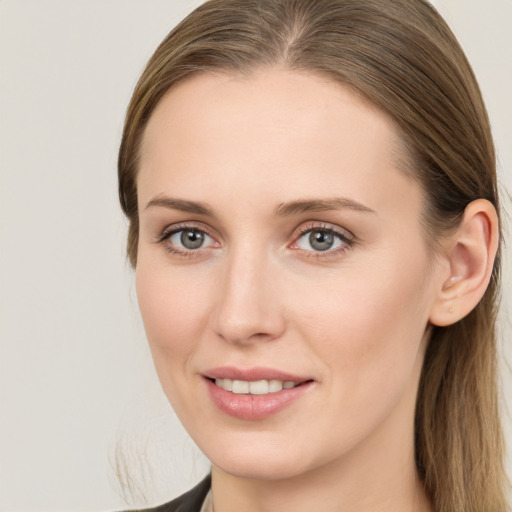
(191, 501)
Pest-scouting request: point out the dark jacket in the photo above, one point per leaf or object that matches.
(191, 501)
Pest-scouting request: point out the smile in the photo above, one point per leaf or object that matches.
(256, 393)
(258, 387)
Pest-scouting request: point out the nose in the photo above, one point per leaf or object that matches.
(248, 306)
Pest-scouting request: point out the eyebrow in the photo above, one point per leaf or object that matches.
(283, 210)
(320, 205)
(180, 204)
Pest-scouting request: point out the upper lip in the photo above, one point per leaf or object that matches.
(252, 374)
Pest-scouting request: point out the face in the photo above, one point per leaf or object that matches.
(283, 275)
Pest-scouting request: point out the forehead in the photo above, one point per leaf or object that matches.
(270, 101)
(296, 132)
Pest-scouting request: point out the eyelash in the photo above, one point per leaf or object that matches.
(345, 237)
(167, 233)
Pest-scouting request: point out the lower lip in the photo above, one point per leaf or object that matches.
(254, 407)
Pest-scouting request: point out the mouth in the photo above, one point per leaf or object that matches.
(256, 387)
(255, 394)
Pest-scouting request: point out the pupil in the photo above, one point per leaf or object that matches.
(192, 239)
(321, 241)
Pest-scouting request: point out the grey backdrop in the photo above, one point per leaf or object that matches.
(76, 379)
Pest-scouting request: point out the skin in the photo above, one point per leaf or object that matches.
(355, 319)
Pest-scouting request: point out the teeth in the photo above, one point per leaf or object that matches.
(226, 384)
(274, 386)
(259, 387)
(240, 387)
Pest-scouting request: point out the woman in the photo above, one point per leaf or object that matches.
(314, 225)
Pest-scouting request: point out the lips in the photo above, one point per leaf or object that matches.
(252, 374)
(255, 393)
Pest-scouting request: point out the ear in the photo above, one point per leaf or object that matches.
(470, 254)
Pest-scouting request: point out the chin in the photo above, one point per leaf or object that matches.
(259, 460)
(259, 468)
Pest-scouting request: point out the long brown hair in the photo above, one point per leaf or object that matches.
(401, 55)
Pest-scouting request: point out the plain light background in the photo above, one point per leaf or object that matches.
(77, 384)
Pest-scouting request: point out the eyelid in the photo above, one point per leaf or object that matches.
(165, 235)
(183, 226)
(343, 234)
(314, 225)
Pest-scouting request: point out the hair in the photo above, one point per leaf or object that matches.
(402, 57)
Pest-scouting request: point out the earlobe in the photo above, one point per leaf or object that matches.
(470, 252)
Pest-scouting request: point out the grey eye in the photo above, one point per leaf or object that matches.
(190, 239)
(320, 241)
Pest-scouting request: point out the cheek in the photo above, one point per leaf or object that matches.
(368, 325)
(173, 312)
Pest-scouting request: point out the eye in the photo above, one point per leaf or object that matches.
(189, 239)
(322, 239)
(185, 240)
